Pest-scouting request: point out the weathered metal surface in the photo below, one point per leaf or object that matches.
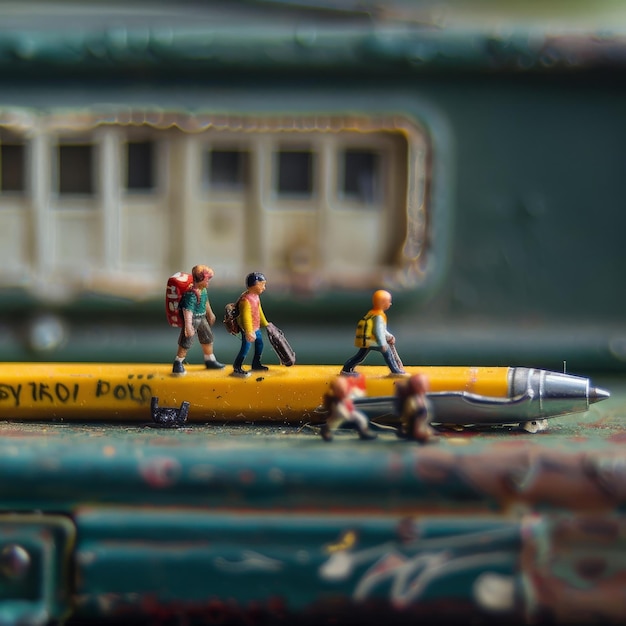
(350, 43)
(36, 557)
(213, 523)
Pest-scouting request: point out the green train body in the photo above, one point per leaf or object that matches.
(473, 171)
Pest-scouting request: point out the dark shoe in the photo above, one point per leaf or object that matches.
(259, 367)
(239, 373)
(214, 365)
(348, 373)
(178, 368)
(326, 434)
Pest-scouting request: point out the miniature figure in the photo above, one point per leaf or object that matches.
(338, 403)
(168, 417)
(276, 337)
(198, 317)
(250, 320)
(414, 409)
(372, 334)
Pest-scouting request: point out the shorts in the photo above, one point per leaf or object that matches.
(203, 332)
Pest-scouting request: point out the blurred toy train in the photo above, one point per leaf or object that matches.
(477, 172)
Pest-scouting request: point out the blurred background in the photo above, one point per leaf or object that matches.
(467, 156)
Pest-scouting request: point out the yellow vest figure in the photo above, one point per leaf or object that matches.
(365, 329)
(372, 334)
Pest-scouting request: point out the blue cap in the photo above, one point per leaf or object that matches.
(253, 278)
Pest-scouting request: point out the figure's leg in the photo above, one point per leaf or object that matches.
(184, 344)
(352, 362)
(205, 337)
(258, 350)
(239, 359)
(333, 422)
(362, 425)
(421, 430)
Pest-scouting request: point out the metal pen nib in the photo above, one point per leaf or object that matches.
(596, 394)
(534, 394)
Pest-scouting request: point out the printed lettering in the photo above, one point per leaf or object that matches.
(9, 391)
(145, 393)
(63, 392)
(42, 392)
(121, 392)
(102, 388)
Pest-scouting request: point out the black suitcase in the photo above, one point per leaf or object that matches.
(280, 344)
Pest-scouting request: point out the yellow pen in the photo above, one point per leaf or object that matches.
(106, 391)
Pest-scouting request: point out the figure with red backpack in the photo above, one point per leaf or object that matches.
(188, 306)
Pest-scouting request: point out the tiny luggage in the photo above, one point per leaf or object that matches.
(280, 344)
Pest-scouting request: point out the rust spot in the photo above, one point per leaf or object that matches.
(618, 437)
(605, 529)
(406, 530)
(435, 465)
(160, 472)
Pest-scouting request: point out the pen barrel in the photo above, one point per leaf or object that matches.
(91, 391)
(107, 391)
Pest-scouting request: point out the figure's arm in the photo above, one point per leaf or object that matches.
(188, 316)
(262, 319)
(380, 333)
(210, 316)
(245, 319)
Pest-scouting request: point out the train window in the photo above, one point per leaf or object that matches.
(227, 169)
(360, 176)
(139, 166)
(75, 169)
(295, 172)
(12, 168)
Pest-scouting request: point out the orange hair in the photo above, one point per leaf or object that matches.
(200, 272)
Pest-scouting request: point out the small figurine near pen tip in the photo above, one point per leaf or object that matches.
(414, 409)
(411, 406)
(338, 401)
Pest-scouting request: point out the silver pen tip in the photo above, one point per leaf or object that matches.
(596, 394)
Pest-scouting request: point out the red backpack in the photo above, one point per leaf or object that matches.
(176, 287)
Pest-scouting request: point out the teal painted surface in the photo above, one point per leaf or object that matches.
(218, 522)
(314, 561)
